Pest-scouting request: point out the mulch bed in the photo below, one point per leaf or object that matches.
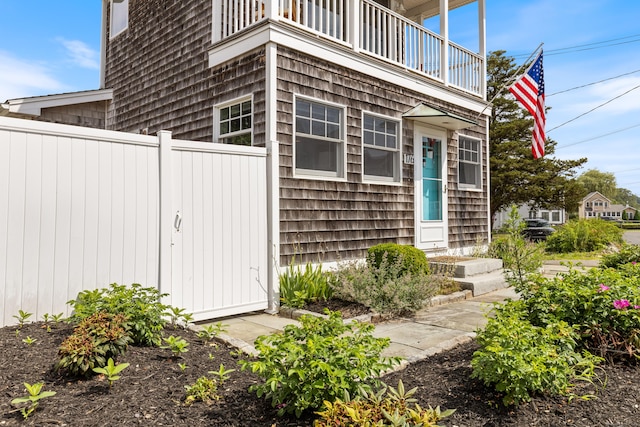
(151, 391)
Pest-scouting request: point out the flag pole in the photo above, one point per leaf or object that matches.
(508, 83)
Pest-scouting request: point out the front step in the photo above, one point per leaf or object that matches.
(483, 283)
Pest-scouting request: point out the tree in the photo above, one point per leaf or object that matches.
(602, 182)
(516, 177)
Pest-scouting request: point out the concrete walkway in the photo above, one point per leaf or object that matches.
(430, 331)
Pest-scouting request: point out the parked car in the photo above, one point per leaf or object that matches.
(537, 229)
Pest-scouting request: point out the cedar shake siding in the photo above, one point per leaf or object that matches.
(331, 220)
(158, 70)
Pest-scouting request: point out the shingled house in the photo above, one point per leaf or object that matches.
(380, 124)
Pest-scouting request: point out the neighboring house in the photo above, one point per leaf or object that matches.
(595, 205)
(376, 126)
(554, 216)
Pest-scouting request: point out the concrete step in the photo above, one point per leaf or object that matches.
(466, 267)
(481, 284)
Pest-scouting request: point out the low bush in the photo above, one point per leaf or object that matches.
(299, 286)
(317, 361)
(141, 306)
(626, 254)
(409, 259)
(386, 288)
(520, 359)
(96, 339)
(387, 407)
(584, 235)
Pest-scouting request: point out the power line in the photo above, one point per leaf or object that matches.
(578, 48)
(593, 109)
(597, 137)
(593, 83)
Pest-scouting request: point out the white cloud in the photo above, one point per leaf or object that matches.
(20, 78)
(81, 54)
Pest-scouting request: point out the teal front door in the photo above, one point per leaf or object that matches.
(431, 188)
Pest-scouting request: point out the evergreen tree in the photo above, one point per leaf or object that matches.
(516, 177)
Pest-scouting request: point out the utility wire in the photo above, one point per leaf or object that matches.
(597, 137)
(594, 83)
(571, 48)
(593, 109)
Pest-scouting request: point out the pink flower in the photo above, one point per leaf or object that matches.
(621, 304)
(634, 263)
(637, 307)
(603, 288)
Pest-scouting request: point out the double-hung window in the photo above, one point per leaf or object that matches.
(119, 16)
(380, 148)
(319, 148)
(469, 163)
(235, 122)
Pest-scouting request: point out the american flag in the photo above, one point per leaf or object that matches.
(529, 90)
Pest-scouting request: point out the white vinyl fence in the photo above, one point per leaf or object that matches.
(82, 208)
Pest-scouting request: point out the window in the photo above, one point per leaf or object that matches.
(319, 139)
(545, 215)
(119, 16)
(381, 148)
(469, 163)
(555, 216)
(235, 122)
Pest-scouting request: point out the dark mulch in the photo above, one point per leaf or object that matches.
(348, 309)
(151, 390)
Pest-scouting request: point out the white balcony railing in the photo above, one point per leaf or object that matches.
(366, 27)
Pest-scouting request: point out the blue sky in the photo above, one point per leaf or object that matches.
(52, 47)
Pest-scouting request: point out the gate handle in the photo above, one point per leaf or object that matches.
(177, 222)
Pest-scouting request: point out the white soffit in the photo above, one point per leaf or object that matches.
(435, 116)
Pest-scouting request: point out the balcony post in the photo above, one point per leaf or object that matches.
(271, 9)
(444, 33)
(482, 37)
(216, 25)
(354, 20)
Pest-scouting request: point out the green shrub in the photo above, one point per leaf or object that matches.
(602, 304)
(626, 254)
(96, 339)
(584, 235)
(299, 287)
(317, 361)
(411, 260)
(520, 359)
(521, 258)
(387, 407)
(141, 307)
(387, 289)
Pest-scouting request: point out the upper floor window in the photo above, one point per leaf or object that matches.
(469, 163)
(381, 148)
(235, 122)
(319, 147)
(119, 16)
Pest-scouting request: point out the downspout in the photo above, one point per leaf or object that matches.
(103, 43)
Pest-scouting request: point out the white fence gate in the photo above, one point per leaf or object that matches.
(82, 208)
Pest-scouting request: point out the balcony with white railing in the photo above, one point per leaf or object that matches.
(367, 28)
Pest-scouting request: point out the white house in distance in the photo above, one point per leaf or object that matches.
(554, 216)
(596, 205)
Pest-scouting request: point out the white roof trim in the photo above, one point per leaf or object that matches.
(33, 106)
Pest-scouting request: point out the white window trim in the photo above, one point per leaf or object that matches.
(111, 33)
(217, 137)
(469, 187)
(313, 174)
(372, 179)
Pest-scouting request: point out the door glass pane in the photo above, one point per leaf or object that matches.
(431, 179)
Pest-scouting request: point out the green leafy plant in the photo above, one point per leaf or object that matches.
(22, 317)
(141, 306)
(627, 254)
(520, 359)
(211, 331)
(521, 258)
(35, 395)
(111, 371)
(317, 361)
(183, 366)
(387, 288)
(584, 235)
(299, 286)
(409, 258)
(179, 316)
(386, 407)
(29, 341)
(95, 339)
(222, 374)
(177, 345)
(57, 317)
(205, 389)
